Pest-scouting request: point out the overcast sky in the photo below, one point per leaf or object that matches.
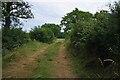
(52, 11)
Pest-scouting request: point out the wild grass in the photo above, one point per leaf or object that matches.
(30, 48)
(22, 51)
(89, 66)
(79, 63)
(45, 63)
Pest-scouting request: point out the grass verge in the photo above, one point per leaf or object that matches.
(22, 51)
(45, 63)
(87, 65)
(80, 63)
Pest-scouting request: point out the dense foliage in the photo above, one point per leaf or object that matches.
(95, 35)
(73, 17)
(54, 28)
(12, 12)
(13, 38)
(42, 34)
(61, 35)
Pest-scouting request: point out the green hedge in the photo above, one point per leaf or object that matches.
(13, 38)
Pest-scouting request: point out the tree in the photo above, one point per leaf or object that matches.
(54, 28)
(44, 35)
(74, 17)
(14, 11)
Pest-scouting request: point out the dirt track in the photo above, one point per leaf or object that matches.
(63, 67)
(25, 66)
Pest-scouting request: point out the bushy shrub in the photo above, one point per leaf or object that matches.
(13, 38)
(44, 35)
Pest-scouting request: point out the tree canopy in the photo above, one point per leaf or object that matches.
(74, 17)
(44, 35)
(12, 12)
(54, 28)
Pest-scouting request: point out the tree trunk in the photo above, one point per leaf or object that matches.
(7, 17)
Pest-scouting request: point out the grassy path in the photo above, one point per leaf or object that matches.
(51, 61)
(45, 67)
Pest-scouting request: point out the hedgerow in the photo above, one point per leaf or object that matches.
(13, 38)
(96, 36)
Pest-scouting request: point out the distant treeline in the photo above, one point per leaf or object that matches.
(15, 37)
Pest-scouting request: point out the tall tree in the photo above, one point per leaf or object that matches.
(74, 17)
(12, 12)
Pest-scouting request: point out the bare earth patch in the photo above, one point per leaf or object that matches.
(63, 67)
(24, 67)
